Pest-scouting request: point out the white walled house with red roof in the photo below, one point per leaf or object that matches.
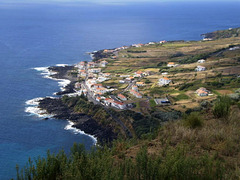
(122, 97)
(164, 81)
(118, 105)
(200, 68)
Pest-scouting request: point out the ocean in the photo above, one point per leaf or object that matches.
(41, 35)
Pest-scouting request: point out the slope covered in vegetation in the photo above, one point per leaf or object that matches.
(203, 145)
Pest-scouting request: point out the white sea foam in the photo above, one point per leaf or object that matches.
(78, 131)
(47, 74)
(61, 65)
(78, 93)
(63, 83)
(33, 102)
(33, 109)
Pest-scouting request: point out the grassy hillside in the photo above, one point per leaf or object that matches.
(203, 145)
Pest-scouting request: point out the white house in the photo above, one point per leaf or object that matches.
(151, 43)
(140, 84)
(95, 70)
(201, 61)
(135, 93)
(202, 92)
(122, 97)
(108, 101)
(103, 63)
(81, 65)
(118, 105)
(135, 88)
(82, 73)
(100, 90)
(101, 79)
(91, 64)
(171, 64)
(200, 68)
(164, 81)
(138, 74)
(165, 73)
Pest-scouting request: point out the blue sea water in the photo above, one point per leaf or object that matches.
(37, 35)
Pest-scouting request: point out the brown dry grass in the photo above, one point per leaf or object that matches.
(217, 137)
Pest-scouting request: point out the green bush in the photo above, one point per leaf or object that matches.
(222, 106)
(193, 120)
(100, 163)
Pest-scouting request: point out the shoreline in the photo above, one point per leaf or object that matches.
(32, 105)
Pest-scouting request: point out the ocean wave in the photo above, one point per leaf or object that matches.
(61, 65)
(47, 74)
(35, 110)
(33, 102)
(78, 131)
(63, 83)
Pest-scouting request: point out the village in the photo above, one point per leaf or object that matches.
(132, 89)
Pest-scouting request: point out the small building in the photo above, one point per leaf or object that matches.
(91, 64)
(122, 97)
(135, 93)
(138, 74)
(95, 86)
(161, 42)
(151, 43)
(98, 98)
(95, 70)
(130, 79)
(140, 84)
(108, 101)
(121, 81)
(201, 61)
(200, 68)
(106, 74)
(101, 90)
(165, 73)
(101, 79)
(103, 63)
(135, 88)
(82, 73)
(137, 45)
(164, 81)
(202, 92)
(162, 101)
(171, 64)
(118, 105)
(81, 65)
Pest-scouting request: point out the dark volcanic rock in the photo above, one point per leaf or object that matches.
(55, 106)
(82, 121)
(104, 134)
(61, 71)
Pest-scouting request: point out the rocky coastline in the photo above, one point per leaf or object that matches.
(61, 111)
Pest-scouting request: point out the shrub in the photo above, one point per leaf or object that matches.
(221, 108)
(193, 120)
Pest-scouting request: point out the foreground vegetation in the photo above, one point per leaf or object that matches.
(203, 145)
